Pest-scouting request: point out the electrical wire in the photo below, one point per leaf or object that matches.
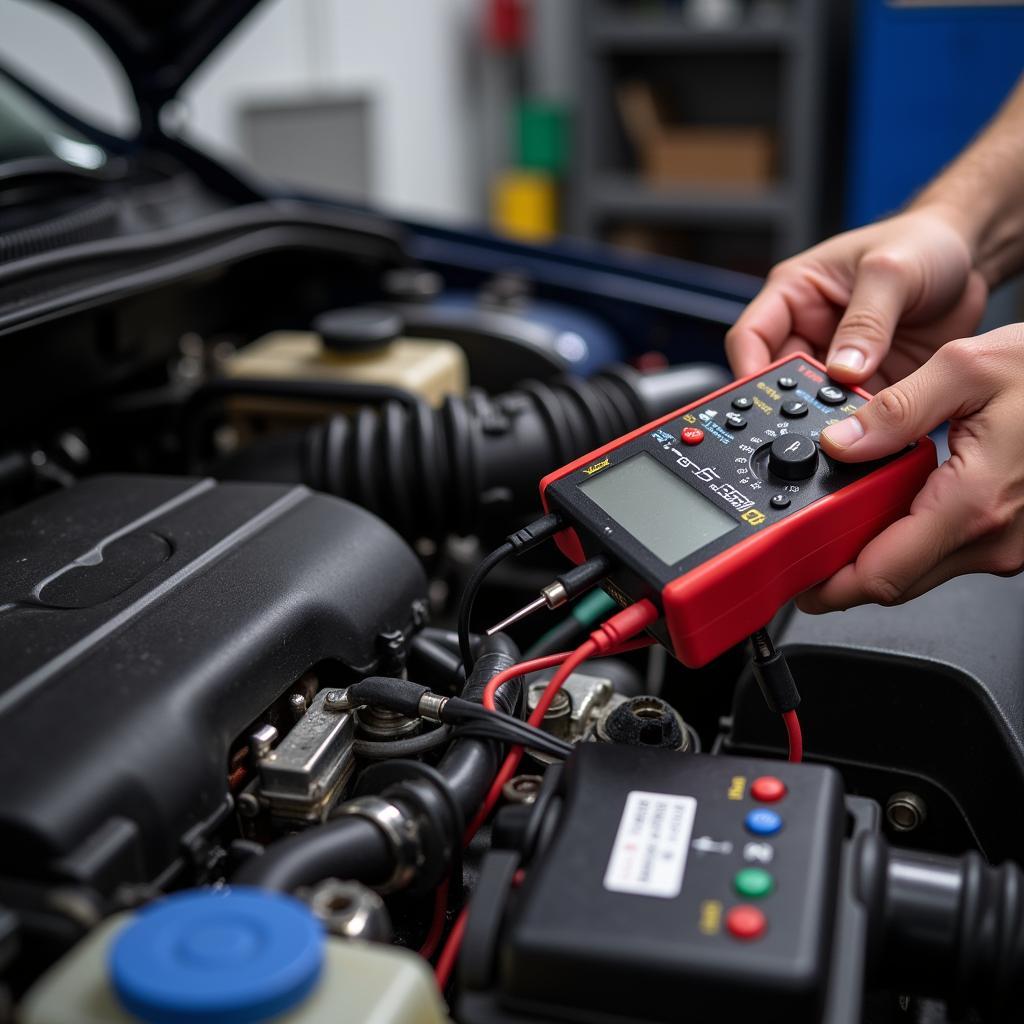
(450, 953)
(476, 581)
(436, 930)
(515, 543)
(534, 739)
(548, 661)
(795, 735)
(378, 750)
(613, 637)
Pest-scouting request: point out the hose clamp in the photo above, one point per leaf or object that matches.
(400, 831)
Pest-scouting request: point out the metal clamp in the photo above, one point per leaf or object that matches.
(401, 832)
(431, 706)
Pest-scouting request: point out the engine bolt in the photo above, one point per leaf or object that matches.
(247, 804)
(337, 700)
(522, 789)
(905, 811)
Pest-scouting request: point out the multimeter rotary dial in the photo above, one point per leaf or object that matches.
(793, 457)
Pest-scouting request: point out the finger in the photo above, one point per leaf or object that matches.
(947, 385)
(754, 339)
(882, 292)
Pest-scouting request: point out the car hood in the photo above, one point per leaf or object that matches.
(159, 42)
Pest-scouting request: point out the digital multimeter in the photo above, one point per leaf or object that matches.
(724, 510)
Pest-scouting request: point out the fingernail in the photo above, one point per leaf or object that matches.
(848, 358)
(844, 433)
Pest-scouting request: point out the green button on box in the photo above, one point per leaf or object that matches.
(753, 882)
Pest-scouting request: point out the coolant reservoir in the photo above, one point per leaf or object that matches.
(361, 345)
(226, 956)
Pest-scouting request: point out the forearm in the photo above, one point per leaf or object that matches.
(982, 192)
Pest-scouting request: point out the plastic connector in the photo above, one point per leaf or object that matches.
(624, 625)
(540, 529)
(771, 670)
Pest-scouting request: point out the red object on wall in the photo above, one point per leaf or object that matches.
(505, 24)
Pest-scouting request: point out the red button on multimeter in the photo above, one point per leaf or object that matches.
(694, 527)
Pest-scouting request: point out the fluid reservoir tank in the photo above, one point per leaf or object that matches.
(359, 345)
(231, 956)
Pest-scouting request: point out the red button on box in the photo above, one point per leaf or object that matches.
(692, 435)
(767, 789)
(746, 922)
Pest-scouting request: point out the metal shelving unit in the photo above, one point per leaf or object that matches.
(620, 42)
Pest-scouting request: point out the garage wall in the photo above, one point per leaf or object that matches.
(409, 58)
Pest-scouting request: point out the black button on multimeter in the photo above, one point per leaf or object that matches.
(831, 395)
(735, 420)
(793, 457)
(794, 410)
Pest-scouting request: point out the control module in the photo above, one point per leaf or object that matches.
(670, 887)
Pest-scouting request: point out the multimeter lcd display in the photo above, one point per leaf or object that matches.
(649, 501)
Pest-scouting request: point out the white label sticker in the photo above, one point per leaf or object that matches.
(649, 854)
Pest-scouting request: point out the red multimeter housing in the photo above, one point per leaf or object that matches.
(724, 510)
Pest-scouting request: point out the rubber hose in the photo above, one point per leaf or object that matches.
(433, 472)
(348, 848)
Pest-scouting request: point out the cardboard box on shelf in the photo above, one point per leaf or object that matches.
(671, 154)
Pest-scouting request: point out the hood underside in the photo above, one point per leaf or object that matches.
(159, 42)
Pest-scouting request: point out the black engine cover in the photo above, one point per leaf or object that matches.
(144, 623)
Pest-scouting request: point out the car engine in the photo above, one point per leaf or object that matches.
(261, 757)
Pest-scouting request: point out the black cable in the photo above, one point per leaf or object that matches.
(482, 571)
(543, 742)
(771, 670)
(522, 540)
(377, 750)
(503, 726)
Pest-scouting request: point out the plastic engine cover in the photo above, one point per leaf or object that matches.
(144, 623)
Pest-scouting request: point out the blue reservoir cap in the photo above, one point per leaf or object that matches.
(230, 956)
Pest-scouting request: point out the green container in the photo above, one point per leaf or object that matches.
(543, 143)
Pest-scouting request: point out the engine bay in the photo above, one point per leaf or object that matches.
(253, 464)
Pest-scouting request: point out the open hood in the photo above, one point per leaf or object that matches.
(159, 42)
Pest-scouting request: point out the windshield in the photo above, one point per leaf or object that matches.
(28, 130)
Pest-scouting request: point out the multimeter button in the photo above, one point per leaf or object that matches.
(742, 402)
(762, 821)
(787, 383)
(766, 789)
(734, 421)
(794, 410)
(691, 435)
(780, 501)
(746, 922)
(831, 395)
(753, 883)
(793, 457)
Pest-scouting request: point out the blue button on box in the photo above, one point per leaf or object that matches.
(763, 822)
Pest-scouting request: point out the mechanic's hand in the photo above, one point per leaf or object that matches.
(873, 304)
(969, 516)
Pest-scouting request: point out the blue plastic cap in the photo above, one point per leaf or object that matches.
(230, 956)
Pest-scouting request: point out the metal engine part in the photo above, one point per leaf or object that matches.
(303, 776)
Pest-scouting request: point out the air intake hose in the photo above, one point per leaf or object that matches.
(432, 472)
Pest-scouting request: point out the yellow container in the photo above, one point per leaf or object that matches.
(525, 205)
